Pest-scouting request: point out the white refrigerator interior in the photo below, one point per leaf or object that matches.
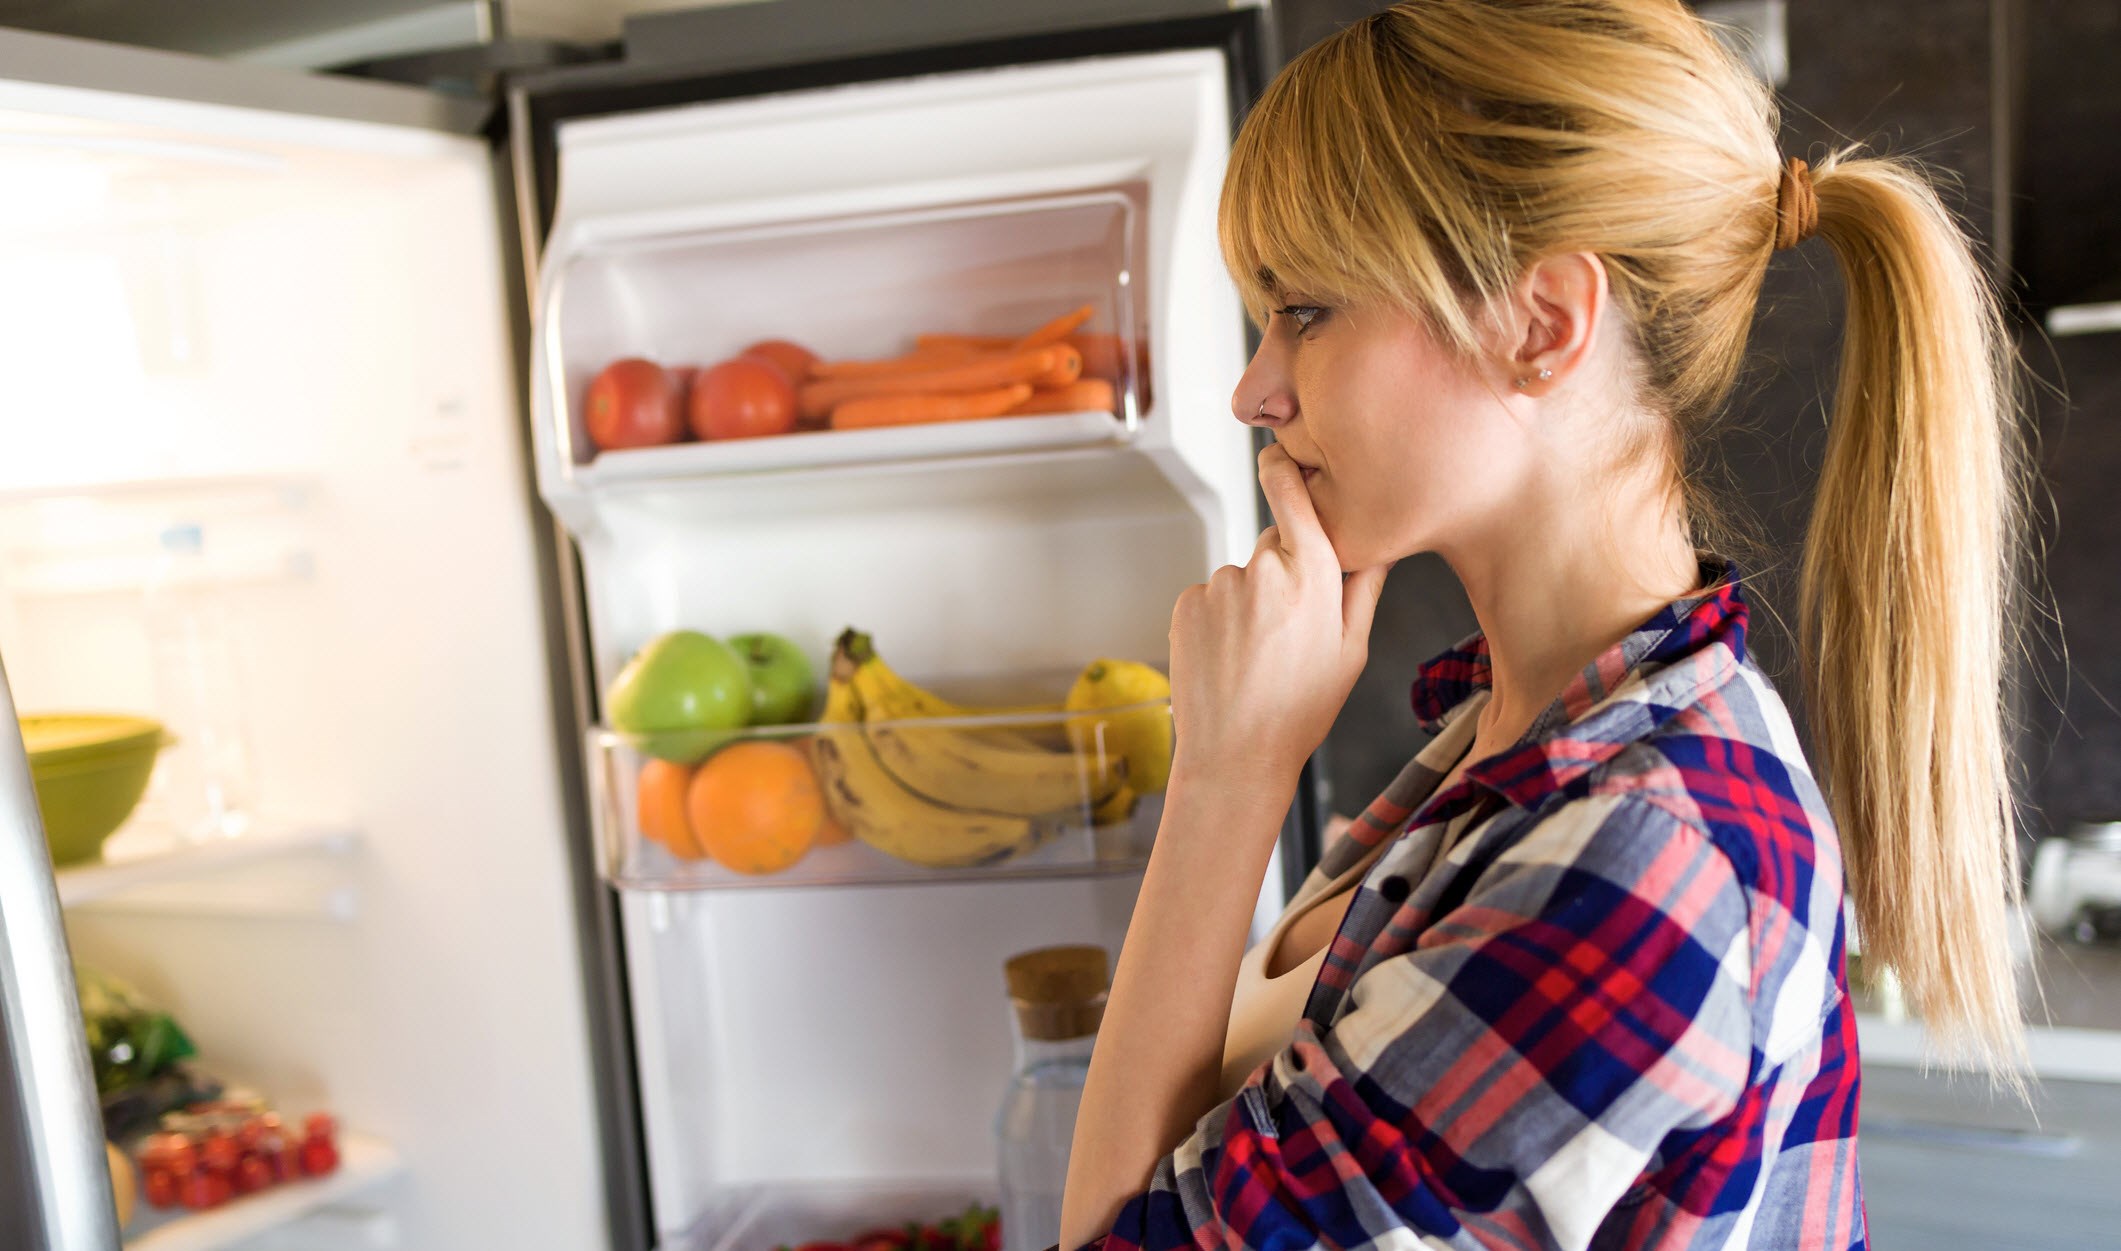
(290, 332)
(799, 1048)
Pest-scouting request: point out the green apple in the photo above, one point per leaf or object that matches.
(782, 684)
(678, 697)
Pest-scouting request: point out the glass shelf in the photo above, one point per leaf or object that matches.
(148, 867)
(917, 799)
(363, 1162)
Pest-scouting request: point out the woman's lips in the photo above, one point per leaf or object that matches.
(1309, 473)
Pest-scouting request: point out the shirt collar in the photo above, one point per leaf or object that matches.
(1630, 689)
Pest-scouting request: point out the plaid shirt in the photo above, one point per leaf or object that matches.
(1592, 996)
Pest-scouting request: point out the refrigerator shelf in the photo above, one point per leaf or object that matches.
(143, 863)
(791, 1214)
(363, 1162)
(891, 801)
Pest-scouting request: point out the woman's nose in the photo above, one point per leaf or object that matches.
(1259, 399)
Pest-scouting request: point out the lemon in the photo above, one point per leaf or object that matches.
(1141, 737)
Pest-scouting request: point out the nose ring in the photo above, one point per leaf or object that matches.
(1261, 415)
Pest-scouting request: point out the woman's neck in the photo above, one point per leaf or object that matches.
(1566, 576)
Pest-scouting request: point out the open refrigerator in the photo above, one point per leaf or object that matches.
(345, 333)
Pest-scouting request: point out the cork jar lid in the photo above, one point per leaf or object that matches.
(1058, 992)
(1057, 974)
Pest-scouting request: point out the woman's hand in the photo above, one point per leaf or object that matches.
(1263, 656)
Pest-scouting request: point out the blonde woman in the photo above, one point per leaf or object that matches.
(1576, 979)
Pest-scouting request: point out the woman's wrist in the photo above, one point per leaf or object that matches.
(1232, 809)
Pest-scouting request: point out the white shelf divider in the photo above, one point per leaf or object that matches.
(363, 1162)
(134, 862)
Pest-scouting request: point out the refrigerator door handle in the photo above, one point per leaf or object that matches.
(55, 1188)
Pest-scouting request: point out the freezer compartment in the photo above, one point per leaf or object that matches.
(899, 796)
(764, 1218)
(953, 327)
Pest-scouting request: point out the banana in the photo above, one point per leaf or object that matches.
(869, 803)
(906, 700)
(969, 768)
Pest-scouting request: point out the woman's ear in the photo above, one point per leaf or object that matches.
(1556, 309)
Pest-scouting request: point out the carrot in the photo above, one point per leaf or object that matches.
(1103, 352)
(871, 411)
(978, 373)
(1067, 367)
(1086, 396)
(1057, 329)
(916, 361)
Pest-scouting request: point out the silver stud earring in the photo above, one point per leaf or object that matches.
(1544, 374)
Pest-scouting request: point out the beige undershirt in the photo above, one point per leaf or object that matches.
(1264, 1010)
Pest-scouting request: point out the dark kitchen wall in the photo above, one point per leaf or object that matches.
(1932, 79)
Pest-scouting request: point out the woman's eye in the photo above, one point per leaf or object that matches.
(1304, 315)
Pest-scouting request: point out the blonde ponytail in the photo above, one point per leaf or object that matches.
(1908, 581)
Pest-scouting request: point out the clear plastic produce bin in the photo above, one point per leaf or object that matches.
(904, 799)
(962, 283)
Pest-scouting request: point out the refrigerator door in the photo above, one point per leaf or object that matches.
(344, 258)
(54, 1188)
(798, 1049)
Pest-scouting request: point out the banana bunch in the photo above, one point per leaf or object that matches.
(945, 796)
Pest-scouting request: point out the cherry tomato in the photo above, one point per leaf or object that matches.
(792, 359)
(221, 1153)
(633, 403)
(319, 1125)
(318, 1157)
(742, 399)
(253, 1174)
(160, 1187)
(171, 1152)
(197, 1190)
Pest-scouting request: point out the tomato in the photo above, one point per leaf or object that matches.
(634, 403)
(253, 1174)
(792, 359)
(319, 1125)
(221, 1153)
(205, 1190)
(160, 1186)
(171, 1152)
(742, 399)
(319, 1157)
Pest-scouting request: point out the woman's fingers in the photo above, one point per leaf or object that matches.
(1358, 600)
(1295, 521)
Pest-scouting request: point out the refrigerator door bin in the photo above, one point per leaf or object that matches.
(895, 800)
(962, 281)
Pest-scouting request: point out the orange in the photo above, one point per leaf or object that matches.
(756, 806)
(662, 808)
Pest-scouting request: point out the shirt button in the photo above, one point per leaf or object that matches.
(1394, 889)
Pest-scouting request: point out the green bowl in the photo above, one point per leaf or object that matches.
(90, 770)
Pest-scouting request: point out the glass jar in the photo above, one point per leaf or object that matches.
(1058, 997)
